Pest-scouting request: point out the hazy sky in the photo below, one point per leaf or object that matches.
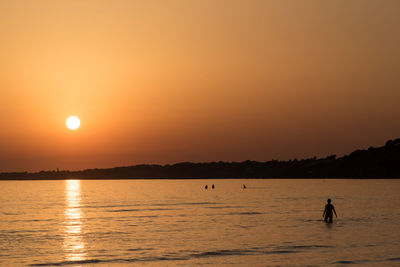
(170, 81)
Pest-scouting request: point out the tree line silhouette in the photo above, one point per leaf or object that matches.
(379, 162)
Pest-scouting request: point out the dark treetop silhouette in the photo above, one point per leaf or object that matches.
(379, 162)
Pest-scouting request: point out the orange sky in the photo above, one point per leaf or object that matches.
(170, 81)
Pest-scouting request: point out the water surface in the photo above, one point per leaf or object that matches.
(177, 222)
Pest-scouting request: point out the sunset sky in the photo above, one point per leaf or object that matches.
(170, 81)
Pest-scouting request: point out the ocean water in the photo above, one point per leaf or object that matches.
(178, 223)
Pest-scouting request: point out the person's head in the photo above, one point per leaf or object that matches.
(329, 200)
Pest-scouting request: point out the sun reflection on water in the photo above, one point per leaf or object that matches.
(74, 247)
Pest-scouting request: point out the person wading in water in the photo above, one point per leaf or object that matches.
(328, 211)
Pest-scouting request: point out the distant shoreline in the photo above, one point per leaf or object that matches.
(249, 178)
(372, 163)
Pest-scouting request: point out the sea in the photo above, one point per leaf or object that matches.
(271, 222)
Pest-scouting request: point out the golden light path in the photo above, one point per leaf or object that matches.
(74, 247)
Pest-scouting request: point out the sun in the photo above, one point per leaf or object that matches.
(73, 123)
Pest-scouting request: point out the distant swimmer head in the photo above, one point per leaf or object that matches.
(329, 200)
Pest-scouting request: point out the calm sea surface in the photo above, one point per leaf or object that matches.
(179, 223)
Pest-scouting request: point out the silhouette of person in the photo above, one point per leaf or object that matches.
(206, 187)
(328, 211)
(213, 186)
(244, 186)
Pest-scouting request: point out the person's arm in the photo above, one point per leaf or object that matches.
(334, 211)
(323, 214)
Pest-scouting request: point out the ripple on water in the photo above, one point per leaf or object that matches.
(190, 254)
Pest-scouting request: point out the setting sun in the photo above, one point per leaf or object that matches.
(73, 123)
